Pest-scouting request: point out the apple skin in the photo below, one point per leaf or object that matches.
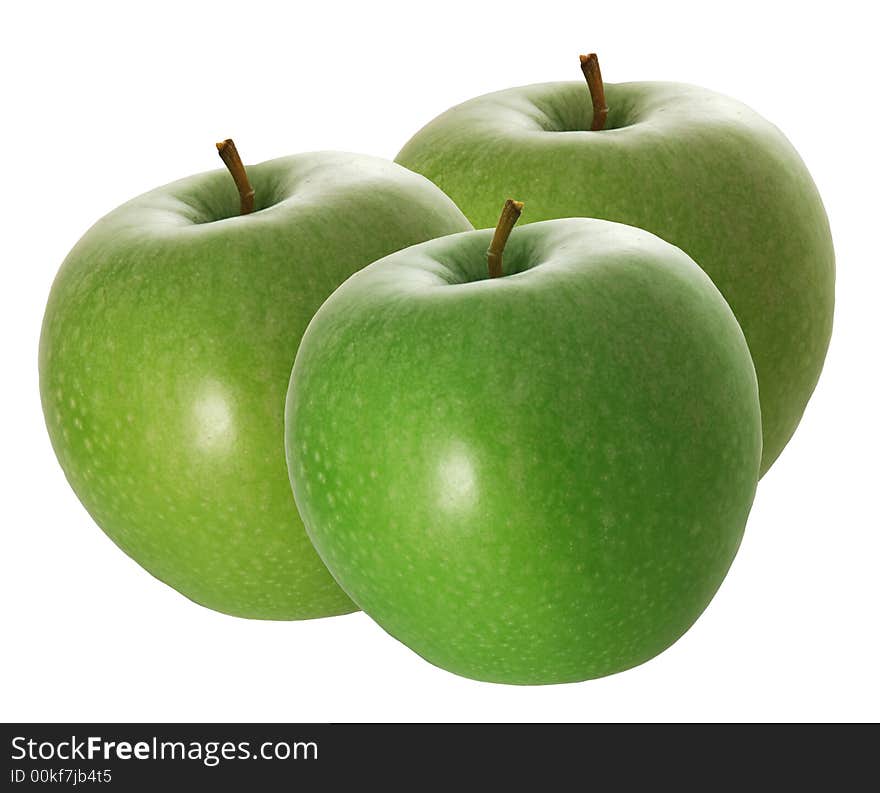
(698, 169)
(538, 478)
(165, 356)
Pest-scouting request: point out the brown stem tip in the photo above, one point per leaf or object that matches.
(229, 154)
(509, 215)
(591, 70)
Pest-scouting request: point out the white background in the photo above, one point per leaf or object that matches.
(103, 101)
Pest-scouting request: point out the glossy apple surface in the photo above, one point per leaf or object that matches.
(698, 169)
(165, 355)
(536, 478)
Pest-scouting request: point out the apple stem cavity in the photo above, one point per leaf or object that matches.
(229, 154)
(591, 70)
(509, 215)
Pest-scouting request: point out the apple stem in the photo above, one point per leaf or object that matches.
(591, 70)
(509, 215)
(229, 154)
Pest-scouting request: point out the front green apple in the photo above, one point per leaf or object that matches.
(535, 478)
(698, 169)
(165, 355)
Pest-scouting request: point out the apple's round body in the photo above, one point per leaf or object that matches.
(700, 170)
(166, 352)
(536, 478)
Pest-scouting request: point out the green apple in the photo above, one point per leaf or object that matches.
(698, 169)
(534, 478)
(166, 351)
